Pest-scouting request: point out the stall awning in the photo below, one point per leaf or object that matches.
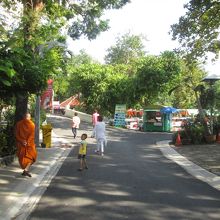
(168, 110)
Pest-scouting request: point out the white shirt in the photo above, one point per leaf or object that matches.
(76, 122)
(99, 130)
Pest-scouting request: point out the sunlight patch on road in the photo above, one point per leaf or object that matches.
(109, 165)
(74, 188)
(113, 192)
(167, 191)
(151, 156)
(202, 197)
(4, 181)
(79, 201)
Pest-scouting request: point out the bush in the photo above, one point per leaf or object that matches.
(192, 133)
(3, 142)
(216, 125)
(197, 134)
(7, 138)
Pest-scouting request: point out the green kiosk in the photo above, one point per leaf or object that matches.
(157, 118)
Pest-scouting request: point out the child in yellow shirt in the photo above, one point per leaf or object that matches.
(82, 153)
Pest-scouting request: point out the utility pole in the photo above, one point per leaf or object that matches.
(37, 121)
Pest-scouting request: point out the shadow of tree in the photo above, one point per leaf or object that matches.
(132, 181)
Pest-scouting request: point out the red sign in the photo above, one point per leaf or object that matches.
(46, 98)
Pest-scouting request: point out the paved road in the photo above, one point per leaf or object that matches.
(132, 181)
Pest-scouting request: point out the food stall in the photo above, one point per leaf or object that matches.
(157, 118)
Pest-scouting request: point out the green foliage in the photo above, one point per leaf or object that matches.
(88, 14)
(30, 51)
(128, 49)
(10, 61)
(81, 58)
(217, 96)
(7, 73)
(101, 86)
(62, 87)
(41, 25)
(183, 92)
(192, 133)
(155, 76)
(32, 109)
(7, 138)
(28, 72)
(197, 134)
(198, 29)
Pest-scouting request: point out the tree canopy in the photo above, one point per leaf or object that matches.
(30, 53)
(155, 76)
(104, 86)
(198, 29)
(42, 23)
(126, 50)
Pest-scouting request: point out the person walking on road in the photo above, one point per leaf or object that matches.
(75, 126)
(26, 149)
(82, 153)
(95, 118)
(99, 134)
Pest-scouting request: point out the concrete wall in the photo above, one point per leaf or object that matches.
(83, 116)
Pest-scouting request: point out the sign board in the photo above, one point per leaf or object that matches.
(47, 96)
(120, 113)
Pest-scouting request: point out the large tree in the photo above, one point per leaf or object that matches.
(43, 21)
(198, 30)
(184, 94)
(155, 76)
(127, 49)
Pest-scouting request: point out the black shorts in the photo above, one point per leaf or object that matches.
(81, 156)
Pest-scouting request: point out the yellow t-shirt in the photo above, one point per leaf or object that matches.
(82, 148)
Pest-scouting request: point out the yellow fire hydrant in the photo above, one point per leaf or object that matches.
(46, 130)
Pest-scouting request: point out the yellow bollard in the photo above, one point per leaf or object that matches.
(46, 130)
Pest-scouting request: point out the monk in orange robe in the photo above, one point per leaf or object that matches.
(26, 150)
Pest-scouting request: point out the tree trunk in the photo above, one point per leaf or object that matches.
(21, 106)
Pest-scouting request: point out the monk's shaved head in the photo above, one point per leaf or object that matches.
(27, 116)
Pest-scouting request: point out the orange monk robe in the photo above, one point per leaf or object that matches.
(25, 130)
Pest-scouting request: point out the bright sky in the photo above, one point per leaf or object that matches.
(152, 18)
